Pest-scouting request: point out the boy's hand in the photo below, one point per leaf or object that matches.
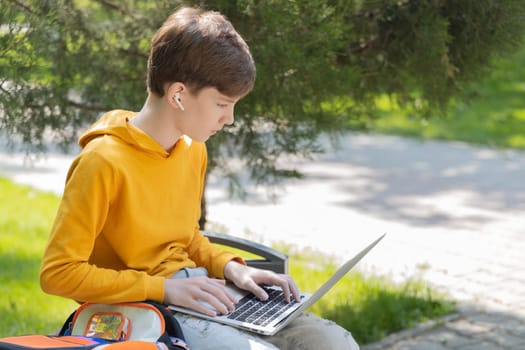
(191, 292)
(249, 278)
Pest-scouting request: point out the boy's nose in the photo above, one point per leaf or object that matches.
(228, 118)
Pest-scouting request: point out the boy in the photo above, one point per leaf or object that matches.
(127, 227)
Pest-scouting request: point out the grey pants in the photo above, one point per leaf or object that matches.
(306, 332)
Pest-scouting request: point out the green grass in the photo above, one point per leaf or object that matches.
(25, 220)
(490, 112)
(370, 307)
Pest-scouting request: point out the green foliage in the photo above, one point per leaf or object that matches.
(489, 112)
(369, 307)
(421, 52)
(63, 62)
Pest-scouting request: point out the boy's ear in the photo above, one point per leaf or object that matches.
(174, 88)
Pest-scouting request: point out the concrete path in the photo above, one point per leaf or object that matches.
(454, 215)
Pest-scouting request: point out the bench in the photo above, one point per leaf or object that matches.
(267, 258)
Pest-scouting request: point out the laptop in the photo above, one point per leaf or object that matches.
(270, 316)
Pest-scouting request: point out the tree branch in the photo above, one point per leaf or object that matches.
(86, 107)
(364, 46)
(116, 7)
(23, 6)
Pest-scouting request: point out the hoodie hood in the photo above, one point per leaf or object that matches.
(116, 123)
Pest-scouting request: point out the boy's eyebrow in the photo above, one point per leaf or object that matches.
(228, 99)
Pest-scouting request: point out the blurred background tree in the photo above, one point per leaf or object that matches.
(321, 65)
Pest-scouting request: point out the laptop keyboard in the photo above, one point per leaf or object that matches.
(254, 311)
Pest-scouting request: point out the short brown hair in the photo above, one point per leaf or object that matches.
(200, 49)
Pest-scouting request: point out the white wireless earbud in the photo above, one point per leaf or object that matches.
(176, 98)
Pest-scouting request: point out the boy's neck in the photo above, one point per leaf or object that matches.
(156, 118)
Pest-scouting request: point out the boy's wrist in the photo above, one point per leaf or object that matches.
(231, 269)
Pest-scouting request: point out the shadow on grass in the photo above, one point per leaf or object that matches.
(18, 269)
(385, 311)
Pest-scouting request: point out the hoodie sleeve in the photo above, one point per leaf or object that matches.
(66, 270)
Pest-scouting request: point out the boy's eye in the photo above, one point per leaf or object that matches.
(222, 105)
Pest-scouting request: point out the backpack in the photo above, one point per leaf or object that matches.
(143, 325)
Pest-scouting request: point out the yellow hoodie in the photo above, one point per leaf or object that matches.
(128, 218)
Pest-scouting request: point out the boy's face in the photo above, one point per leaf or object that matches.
(206, 113)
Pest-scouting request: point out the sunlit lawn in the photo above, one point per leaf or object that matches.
(370, 307)
(25, 220)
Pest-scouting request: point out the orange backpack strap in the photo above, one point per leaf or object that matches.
(23, 342)
(134, 345)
